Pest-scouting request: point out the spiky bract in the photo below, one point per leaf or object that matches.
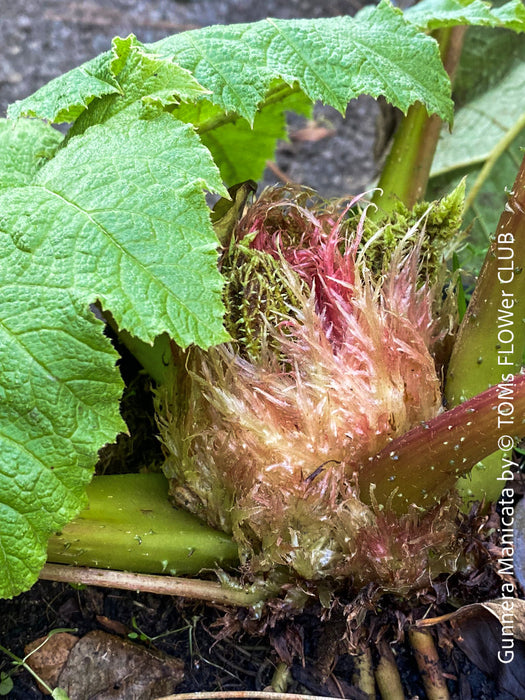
(329, 362)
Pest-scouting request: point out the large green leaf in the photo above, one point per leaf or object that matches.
(59, 398)
(109, 83)
(486, 58)
(333, 60)
(437, 14)
(378, 52)
(481, 123)
(146, 82)
(115, 213)
(66, 97)
(24, 146)
(118, 216)
(240, 149)
(59, 387)
(488, 129)
(120, 213)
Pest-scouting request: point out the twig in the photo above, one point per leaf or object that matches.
(167, 585)
(431, 621)
(428, 663)
(259, 695)
(276, 170)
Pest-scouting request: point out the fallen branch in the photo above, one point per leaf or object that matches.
(194, 589)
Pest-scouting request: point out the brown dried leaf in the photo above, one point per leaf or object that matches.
(102, 666)
(497, 650)
(519, 541)
(289, 644)
(48, 660)
(513, 606)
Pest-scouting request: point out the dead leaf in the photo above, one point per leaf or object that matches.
(502, 608)
(497, 607)
(289, 644)
(519, 541)
(102, 666)
(113, 625)
(48, 660)
(492, 635)
(479, 634)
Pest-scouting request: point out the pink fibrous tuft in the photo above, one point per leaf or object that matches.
(271, 447)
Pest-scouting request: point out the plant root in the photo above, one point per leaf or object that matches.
(363, 676)
(427, 660)
(387, 675)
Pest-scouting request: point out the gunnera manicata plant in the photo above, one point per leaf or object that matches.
(339, 347)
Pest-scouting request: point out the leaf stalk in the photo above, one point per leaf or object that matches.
(130, 525)
(405, 174)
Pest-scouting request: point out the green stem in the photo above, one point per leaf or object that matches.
(491, 341)
(22, 662)
(130, 525)
(363, 676)
(281, 678)
(496, 310)
(498, 150)
(407, 168)
(387, 675)
(427, 660)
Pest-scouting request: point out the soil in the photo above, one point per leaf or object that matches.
(40, 40)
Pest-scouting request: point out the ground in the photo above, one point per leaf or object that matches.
(40, 40)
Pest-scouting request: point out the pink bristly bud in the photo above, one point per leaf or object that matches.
(269, 446)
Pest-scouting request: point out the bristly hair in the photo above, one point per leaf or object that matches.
(272, 440)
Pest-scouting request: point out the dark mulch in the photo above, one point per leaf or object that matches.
(190, 630)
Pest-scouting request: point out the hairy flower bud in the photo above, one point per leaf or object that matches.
(329, 363)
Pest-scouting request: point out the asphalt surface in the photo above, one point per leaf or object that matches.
(40, 40)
